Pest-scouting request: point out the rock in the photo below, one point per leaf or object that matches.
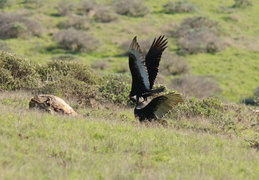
(51, 104)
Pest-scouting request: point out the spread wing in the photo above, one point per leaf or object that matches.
(153, 58)
(161, 105)
(140, 81)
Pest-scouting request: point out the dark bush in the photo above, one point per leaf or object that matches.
(14, 25)
(195, 86)
(66, 7)
(76, 22)
(198, 35)
(76, 41)
(179, 7)
(134, 8)
(173, 65)
(254, 100)
(242, 4)
(17, 73)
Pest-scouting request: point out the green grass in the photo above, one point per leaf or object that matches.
(111, 144)
(234, 68)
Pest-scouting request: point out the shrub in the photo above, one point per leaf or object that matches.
(213, 115)
(76, 22)
(66, 7)
(56, 70)
(242, 4)
(100, 64)
(195, 86)
(105, 15)
(76, 40)
(134, 8)
(115, 88)
(198, 35)
(3, 3)
(254, 100)
(14, 25)
(179, 7)
(70, 88)
(17, 73)
(173, 65)
(88, 5)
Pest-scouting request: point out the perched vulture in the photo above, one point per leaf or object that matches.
(144, 70)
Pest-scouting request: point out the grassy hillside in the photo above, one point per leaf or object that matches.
(110, 144)
(234, 68)
(212, 51)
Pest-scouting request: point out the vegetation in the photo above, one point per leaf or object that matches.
(211, 59)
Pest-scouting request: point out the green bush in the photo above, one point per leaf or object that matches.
(56, 70)
(18, 73)
(115, 88)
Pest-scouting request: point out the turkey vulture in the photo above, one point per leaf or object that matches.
(157, 107)
(144, 70)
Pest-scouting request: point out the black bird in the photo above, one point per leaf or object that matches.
(157, 107)
(144, 70)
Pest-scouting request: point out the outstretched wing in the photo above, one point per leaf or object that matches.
(161, 105)
(140, 81)
(153, 58)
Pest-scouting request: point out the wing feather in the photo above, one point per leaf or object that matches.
(153, 58)
(161, 105)
(140, 80)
